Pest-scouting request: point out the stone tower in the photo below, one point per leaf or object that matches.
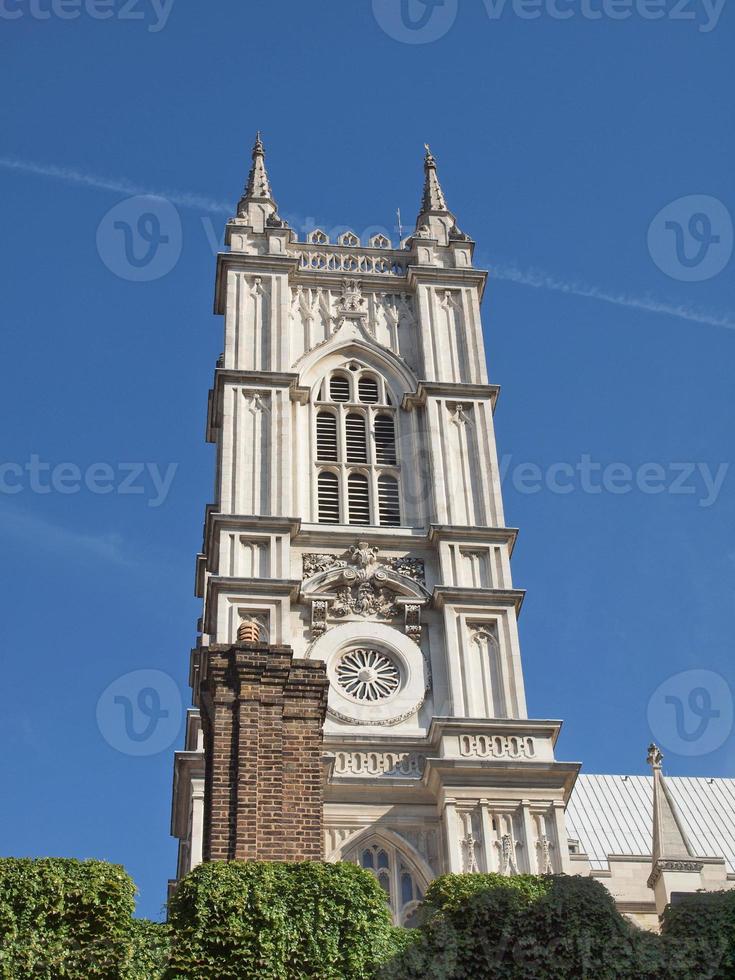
(358, 539)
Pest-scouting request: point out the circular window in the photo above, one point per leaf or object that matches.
(368, 675)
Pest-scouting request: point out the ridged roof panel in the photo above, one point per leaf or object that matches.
(613, 815)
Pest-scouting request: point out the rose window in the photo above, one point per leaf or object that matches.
(368, 675)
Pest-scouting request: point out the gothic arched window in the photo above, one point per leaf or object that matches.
(328, 497)
(395, 875)
(356, 436)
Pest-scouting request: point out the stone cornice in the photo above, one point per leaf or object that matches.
(486, 598)
(473, 533)
(254, 379)
(343, 535)
(215, 521)
(543, 727)
(441, 275)
(441, 775)
(255, 263)
(460, 391)
(245, 588)
(687, 865)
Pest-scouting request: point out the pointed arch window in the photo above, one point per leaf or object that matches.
(356, 435)
(328, 493)
(358, 498)
(355, 438)
(326, 437)
(397, 877)
(385, 439)
(367, 389)
(339, 388)
(389, 507)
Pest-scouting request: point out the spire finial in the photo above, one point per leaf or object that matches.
(258, 186)
(433, 199)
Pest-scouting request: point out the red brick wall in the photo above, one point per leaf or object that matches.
(262, 715)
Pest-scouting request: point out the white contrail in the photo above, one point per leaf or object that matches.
(534, 278)
(543, 280)
(70, 176)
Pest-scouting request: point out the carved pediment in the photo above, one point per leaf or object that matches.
(364, 585)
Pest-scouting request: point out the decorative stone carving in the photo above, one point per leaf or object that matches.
(497, 746)
(363, 589)
(469, 843)
(543, 846)
(365, 600)
(412, 568)
(412, 613)
(508, 864)
(666, 865)
(314, 563)
(408, 765)
(351, 299)
(318, 616)
(257, 402)
(458, 414)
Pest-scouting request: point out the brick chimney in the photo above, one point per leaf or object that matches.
(262, 716)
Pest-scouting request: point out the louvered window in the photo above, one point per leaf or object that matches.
(328, 490)
(358, 497)
(389, 507)
(367, 389)
(355, 438)
(326, 436)
(385, 440)
(360, 444)
(339, 388)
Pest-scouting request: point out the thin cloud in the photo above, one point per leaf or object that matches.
(538, 279)
(533, 278)
(184, 199)
(40, 534)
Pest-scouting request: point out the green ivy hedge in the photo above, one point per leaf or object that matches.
(277, 921)
(64, 919)
(699, 930)
(72, 920)
(530, 928)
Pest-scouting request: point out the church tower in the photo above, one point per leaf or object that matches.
(358, 682)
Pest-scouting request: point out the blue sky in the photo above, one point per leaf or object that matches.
(559, 141)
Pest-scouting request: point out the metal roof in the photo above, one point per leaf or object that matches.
(614, 815)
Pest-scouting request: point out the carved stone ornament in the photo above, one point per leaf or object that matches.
(363, 588)
(469, 845)
(667, 865)
(351, 299)
(544, 857)
(508, 864)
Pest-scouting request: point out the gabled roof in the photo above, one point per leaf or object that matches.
(614, 815)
